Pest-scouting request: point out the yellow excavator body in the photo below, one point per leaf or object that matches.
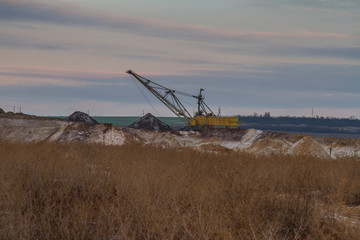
(215, 121)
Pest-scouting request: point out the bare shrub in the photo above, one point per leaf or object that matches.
(80, 191)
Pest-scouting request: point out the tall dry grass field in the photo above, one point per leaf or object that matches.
(79, 191)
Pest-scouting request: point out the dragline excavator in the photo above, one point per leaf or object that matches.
(204, 117)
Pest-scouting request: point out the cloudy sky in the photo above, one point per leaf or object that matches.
(283, 56)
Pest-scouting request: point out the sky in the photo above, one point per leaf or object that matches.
(285, 57)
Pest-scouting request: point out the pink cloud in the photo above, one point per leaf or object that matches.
(59, 13)
(45, 75)
(26, 75)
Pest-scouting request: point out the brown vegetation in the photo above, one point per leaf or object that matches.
(82, 191)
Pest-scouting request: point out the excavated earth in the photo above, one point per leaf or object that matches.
(81, 117)
(25, 128)
(150, 122)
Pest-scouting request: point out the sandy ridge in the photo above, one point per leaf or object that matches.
(254, 141)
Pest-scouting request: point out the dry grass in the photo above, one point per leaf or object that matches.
(78, 191)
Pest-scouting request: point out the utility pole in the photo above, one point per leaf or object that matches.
(312, 113)
(219, 113)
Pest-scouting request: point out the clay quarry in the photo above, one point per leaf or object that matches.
(75, 178)
(149, 130)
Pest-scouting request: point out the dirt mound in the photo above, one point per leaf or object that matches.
(11, 115)
(232, 134)
(150, 122)
(308, 145)
(292, 138)
(81, 117)
(1, 111)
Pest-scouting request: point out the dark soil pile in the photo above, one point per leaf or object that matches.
(2, 111)
(81, 117)
(150, 122)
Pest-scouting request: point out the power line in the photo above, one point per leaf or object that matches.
(144, 95)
